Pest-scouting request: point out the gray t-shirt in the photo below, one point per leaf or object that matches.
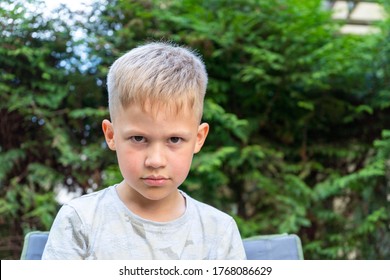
(100, 226)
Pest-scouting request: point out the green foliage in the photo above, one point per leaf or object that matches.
(299, 115)
(48, 136)
(294, 109)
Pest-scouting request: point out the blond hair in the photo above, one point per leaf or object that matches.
(157, 74)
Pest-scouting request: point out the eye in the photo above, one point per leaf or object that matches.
(138, 139)
(175, 140)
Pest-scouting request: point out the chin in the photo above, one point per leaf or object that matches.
(157, 193)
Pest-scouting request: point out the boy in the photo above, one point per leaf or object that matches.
(156, 94)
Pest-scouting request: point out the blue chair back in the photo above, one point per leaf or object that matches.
(262, 247)
(34, 244)
(273, 247)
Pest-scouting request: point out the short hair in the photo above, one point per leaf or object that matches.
(158, 74)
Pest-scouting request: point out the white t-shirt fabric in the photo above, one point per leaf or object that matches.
(100, 226)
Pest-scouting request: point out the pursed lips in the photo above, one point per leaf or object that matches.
(154, 180)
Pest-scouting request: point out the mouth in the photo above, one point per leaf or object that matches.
(155, 181)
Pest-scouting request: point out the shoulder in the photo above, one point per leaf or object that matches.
(207, 212)
(91, 204)
(215, 229)
(94, 197)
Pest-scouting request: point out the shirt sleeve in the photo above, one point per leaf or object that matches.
(230, 246)
(67, 238)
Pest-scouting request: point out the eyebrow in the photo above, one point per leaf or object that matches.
(185, 134)
(132, 131)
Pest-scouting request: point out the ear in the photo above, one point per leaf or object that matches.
(203, 130)
(108, 131)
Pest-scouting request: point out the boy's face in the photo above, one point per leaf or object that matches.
(154, 151)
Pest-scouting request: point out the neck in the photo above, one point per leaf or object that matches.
(163, 210)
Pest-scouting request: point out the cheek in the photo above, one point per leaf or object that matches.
(128, 162)
(181, 164)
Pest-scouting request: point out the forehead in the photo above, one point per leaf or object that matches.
(157, 115)
(163, 108)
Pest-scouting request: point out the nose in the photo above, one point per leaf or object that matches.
(156, 157)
